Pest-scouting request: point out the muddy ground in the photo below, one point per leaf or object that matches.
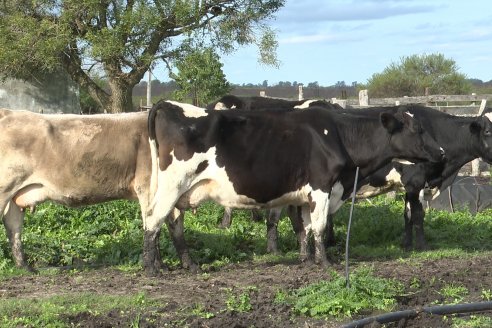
(178, 291)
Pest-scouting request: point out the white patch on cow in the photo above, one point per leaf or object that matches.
(189, 110)
(325, 132)
(489, 116)
(305, 104)
(402, 161)
(429, 194)
(393, 176)
(393, 183)
(409, 114)
(220, 106)
(320, 212)
(336, 197)
(408, 209)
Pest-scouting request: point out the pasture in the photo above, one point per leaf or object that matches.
(90, 273)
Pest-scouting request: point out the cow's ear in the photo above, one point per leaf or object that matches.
(390, 122)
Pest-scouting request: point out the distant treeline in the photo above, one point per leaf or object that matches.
(341, 90)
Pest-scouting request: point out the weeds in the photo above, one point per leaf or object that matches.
(333, 298)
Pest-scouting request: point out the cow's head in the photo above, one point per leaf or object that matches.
(408, 139)
(482, 129)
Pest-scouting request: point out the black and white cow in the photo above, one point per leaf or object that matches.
(265, 159)
(263, 103)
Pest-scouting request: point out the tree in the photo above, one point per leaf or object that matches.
(200, 77)
(121, 40)
(415, 73)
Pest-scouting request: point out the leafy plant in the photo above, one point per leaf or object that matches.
(333, 298)
(454, 292)
(200, 311)
(487, 294)
(473, 322)
(240, 302)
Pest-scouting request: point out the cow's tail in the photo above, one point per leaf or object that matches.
(154, 153)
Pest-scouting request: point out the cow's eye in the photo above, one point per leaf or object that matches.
(487, 133)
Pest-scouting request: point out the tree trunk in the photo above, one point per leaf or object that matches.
(121, 97)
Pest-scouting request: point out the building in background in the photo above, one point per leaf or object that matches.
(53, 93)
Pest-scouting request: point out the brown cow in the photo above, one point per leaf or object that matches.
(73, 160)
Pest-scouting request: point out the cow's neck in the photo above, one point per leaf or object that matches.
(368, 146)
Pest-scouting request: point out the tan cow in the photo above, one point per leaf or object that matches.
(73, 160)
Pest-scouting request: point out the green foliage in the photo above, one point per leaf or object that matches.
(200, 77)
(414, 73)
(199, 310)
(333, 298)
(109, 233)
(487, 294)
(453, 293)
(124, 39)
(52, 311)
(240, 302)
(475, 321)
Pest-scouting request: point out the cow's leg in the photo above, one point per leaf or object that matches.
(257, 216)
(407, 216)
(13, 220)
(304, 253)
(272, 233)
(295, 215)
(418, 214)
(330, 232)
(320, 204)
(226, 218)
(175, 225)
(161, 206)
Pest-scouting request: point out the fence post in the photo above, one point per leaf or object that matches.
(301, 92)
(363, 98)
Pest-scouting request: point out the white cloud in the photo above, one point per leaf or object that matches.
(313, 38)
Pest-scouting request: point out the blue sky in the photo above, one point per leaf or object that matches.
(349, 40)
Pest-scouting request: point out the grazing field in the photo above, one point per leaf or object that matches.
(89, 262)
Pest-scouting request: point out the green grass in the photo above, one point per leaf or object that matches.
(55, 311)
(111, 234)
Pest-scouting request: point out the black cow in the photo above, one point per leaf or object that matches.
(462, 138)
(262, 103)
(265, 159)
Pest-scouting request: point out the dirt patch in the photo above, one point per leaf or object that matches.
(179, 292)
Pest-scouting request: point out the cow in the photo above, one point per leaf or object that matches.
(263, 103)
(264, 159)
(73, 160)
(462, 138)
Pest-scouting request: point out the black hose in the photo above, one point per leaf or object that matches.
(406, 314)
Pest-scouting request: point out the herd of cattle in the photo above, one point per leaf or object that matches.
(257, 153)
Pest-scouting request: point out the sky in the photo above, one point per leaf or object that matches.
(328, 41)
